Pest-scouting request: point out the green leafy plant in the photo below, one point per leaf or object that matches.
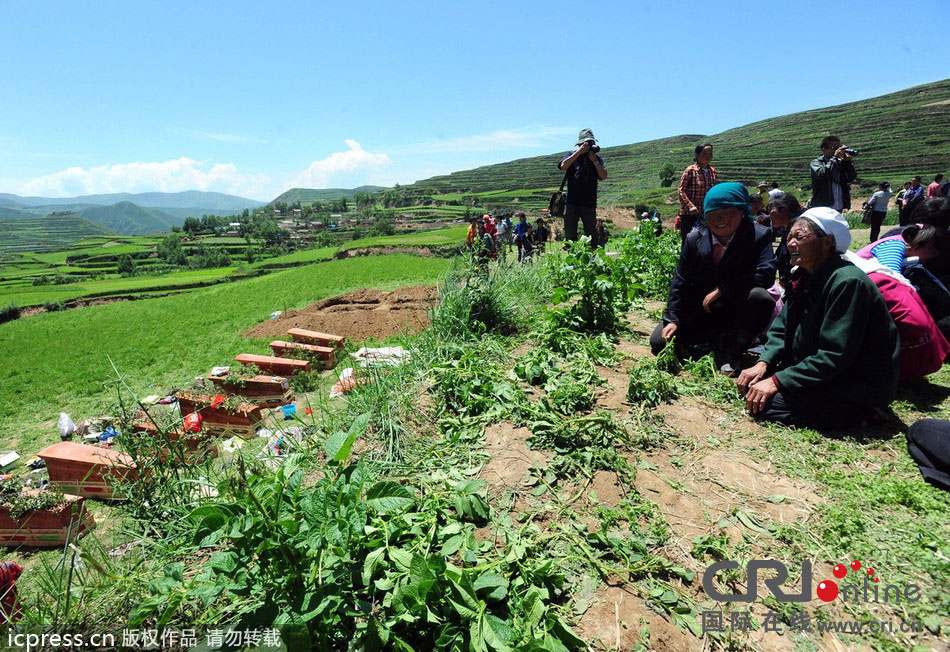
(355, 560)
(649, 385)
(19, 503)
(590, 295)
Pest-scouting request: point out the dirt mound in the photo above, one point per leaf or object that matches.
(357, 315)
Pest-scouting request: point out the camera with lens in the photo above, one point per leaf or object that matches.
(594, 148)
(851, 151)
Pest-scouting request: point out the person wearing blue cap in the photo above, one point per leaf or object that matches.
(718, 298)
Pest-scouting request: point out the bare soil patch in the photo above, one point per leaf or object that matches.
(425, 252)
(696, 488)
(510, 457)
(615, 617)
(357, 315)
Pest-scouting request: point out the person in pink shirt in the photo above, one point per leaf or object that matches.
(933, 190)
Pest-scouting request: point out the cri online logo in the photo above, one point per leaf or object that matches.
(826, 591)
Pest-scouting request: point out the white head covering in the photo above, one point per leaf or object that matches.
(833, 223)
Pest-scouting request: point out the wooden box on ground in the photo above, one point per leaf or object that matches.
(87, 470)
(46, 528)
(324, 356)
(241, 421)
(196, 445)
(320, 339)
(265, 391)
(277, 366)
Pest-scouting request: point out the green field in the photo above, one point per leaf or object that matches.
(308, 195)
(163, 342)
(28, 295)
(446, 236)
(98, 256)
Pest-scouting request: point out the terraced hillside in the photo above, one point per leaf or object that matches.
(45, 233)
(127, 218)
(308, 196)
(898, 135)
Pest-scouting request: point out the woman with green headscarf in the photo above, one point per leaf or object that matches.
(718, 298)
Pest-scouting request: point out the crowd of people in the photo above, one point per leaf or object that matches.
(816, 335)
(493, 237)
(829, 332)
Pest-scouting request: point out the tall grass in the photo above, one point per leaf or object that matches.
(492, 298)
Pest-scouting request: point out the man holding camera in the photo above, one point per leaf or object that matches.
(830, 175)
(584, 168)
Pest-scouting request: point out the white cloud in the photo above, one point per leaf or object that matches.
(497, 140)
(165, 176)
(342, 169)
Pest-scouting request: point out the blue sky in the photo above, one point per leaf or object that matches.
(252, 98)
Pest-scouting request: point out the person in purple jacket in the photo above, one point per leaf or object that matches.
(913, 196)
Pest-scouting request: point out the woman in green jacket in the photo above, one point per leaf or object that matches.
(831, 359)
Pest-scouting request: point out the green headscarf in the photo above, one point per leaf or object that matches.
(727, 195)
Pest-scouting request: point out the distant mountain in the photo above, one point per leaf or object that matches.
(15, 213)
(196, 202)
(46, 233)
(308, 196)
(126, 218)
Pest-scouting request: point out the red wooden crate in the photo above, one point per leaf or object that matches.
(196, 444)
(321, 356)
(46, 528)
(278, 366)
(218, 421)
(87, 470)
(320, 339)
(265, 391)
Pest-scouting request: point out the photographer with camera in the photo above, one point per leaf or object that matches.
(831, 173)
(584, 168)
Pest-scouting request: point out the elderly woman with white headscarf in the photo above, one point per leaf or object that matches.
(831, 359)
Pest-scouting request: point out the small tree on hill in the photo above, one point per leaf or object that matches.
(383, 226)
(667, 172)
(170, 250)
(192, 225)
(125, 265)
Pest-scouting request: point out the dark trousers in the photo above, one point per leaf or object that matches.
(877, 219)
(932, 292)
(905, 214)
(738, 323)
(815, 408)
(928, 442)
(687, 224)
(574, 214)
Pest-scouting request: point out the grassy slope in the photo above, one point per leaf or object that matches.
(45, 233)
(26, 294)
(898, 134)
(308, 195)
(59, 361)
(871, 503)
(127, 218)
